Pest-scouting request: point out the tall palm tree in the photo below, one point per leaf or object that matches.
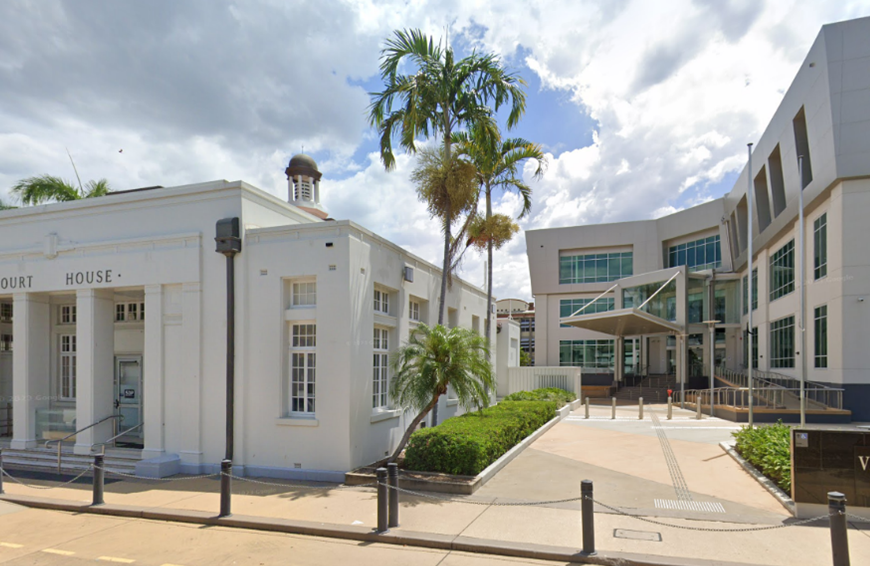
(498, 163)
(440, 96)
(48, 188)
(434, 358)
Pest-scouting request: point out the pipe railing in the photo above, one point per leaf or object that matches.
(789, 384)
(764, 397)
(67, 437)
(117, 436)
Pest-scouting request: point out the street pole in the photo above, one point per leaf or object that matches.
(229, 243)
(712, 363)
(750, 334)
(803, 295)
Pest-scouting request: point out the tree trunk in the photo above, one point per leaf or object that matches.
(412, 427)
(488, 332)
(445, 266)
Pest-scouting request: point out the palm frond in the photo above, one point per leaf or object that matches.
(44, 188)
(97, 188)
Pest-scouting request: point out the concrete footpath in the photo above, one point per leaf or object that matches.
(704, 508)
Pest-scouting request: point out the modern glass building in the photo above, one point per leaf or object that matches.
(651, 290)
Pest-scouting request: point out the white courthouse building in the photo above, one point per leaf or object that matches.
(665, 280)
(116, 306)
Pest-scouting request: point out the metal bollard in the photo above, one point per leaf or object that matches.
(393, 481)
(99, 479)
(839, 536)
(587, 512)
(640, 408)
(1, 472)
(697, 408)
(383, 504)
(587, 407)
(226, 488)
(670, 407)
(613, 408)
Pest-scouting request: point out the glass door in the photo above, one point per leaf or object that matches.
(128, 398)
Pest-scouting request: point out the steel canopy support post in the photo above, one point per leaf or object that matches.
(803, 294)
(749, 334)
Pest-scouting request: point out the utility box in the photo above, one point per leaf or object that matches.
(228, 237)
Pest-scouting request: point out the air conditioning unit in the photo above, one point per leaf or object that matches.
(409, 274)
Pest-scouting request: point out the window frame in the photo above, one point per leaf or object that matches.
(380, 368)
(7, 312)
(602, 267)
(820, 328)
(381, 301)
(413, 310)
(820, 247)
(302, 347)
(782, 351)
(603, 304)
(687, 253)
(67, 314)
(309, 293)
(782, 271)
(67, 379)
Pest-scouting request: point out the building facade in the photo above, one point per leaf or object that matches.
(664, 283)
(524, 313)
(117, 307)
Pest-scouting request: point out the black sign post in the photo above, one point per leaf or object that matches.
(229, 243)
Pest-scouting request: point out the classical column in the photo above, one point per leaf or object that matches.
(95, 365)
(31, 367)
(619, 361)
(152, 376)
(191, 339)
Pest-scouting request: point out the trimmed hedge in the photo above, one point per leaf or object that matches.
(545, 394)
(467, 444)
(768, 448)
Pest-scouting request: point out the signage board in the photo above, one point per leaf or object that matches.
(826, 460)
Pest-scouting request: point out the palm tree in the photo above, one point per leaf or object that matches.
(434, 358)
(498, 166)
(48, 188)
(441, 96)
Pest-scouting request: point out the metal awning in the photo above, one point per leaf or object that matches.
(623, 322)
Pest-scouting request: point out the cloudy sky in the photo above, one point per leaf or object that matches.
(642, 107)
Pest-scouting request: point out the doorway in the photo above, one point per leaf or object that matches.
(128, 401)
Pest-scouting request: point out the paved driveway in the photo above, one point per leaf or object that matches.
(663, 467)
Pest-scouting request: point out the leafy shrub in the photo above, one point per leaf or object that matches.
(560, 396)
(768, 448)
(469, 443)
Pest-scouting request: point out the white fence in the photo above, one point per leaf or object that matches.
(529, 378)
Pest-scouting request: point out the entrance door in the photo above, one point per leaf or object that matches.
(128, 398)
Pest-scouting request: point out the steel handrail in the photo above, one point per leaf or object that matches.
(67, 437)
(117, 436)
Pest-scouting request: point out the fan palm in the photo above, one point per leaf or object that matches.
(433, 359)
(498, 164)
(48, 188)
(439, 97)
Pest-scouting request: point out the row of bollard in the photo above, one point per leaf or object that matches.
(388, 497)
(388, 505)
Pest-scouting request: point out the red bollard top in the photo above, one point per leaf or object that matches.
(670, 392)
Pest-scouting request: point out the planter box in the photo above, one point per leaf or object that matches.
(463, 485)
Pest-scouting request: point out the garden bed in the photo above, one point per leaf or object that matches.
(472, 442)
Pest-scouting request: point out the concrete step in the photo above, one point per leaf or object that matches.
(42, 459)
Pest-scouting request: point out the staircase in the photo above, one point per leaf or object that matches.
(45, 459)
(653, 389)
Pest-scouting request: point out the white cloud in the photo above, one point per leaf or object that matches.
(203, 90)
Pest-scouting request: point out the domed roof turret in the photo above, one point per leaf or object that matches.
(301, 164)
(302, 160)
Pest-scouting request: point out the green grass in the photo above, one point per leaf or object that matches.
(467, 444)
(768, 448)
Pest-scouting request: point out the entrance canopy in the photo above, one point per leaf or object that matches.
(623, 322)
